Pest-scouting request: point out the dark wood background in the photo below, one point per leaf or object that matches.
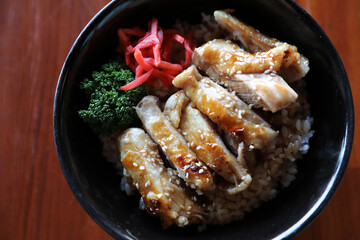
(35, 200)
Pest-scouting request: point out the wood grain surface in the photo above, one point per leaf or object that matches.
(35, 200)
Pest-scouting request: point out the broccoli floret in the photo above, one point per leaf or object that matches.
(110, 108)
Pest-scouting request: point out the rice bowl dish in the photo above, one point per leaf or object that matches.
(95, 182)
(267, 167)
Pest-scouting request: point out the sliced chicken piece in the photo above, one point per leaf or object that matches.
(209, 147)
(173, 144)
(266, 91)
(225, 109)
(219, 59)
(207, 144)
(255, 41)
(295, 71)
(174, 107)
(223, 58)
(231, 141)
(244, 184)
(162, 196)
(252, 39)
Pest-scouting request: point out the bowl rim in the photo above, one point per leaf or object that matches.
(75, 187)
(112, 229)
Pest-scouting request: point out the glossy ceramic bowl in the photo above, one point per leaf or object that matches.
(95, 182)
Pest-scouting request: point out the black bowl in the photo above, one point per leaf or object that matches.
(95, 182)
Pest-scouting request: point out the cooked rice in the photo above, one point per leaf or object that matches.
(275, 170)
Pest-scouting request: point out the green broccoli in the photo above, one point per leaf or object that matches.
(110, 108)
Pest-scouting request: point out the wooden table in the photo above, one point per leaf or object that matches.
(35, 200)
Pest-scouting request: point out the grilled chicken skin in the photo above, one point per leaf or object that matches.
(224, 58)
(173, 144)
(255, 41)
(268, 91)
(158, 187)
(174, 107)
(225, 109)
(206, 143)
(209, 147)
